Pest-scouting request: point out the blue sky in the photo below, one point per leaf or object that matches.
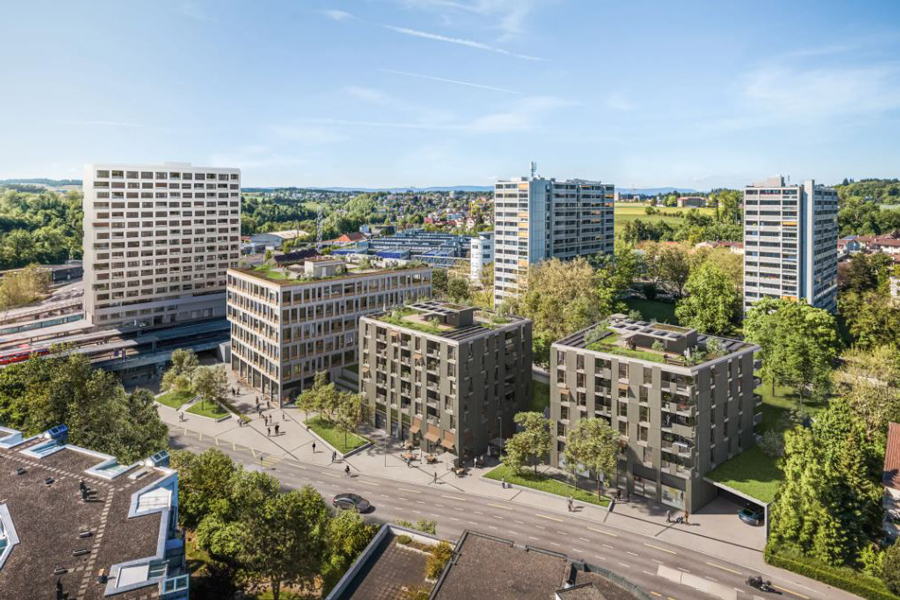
(451, 92)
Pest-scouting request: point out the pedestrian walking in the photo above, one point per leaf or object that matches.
(181, 416)
(347, 470)
(269, 431)
(408, 462)
(257, 402)
(333, 456)
(503, 483)
(283, 418)
(687, 513)
(276, 429)
(668, 516)
(314, 447)
(435, 477)
(570, 503)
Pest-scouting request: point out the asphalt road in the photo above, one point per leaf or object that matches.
(663, 570)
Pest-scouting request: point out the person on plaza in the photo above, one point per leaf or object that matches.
(571, 504)
(347, 470)
(668, 516)
(687, 513)
(435, 477)
(314, 447)
(333, 456)
(276, 429)
(503, 483)
(269, 431)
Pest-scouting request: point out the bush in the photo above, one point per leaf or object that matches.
(772, 443)
(403, 539)
(440, 556)
(426, 526)
(840, 577)
(891, 573)
(649, 290)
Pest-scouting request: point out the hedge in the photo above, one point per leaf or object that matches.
(840, 577)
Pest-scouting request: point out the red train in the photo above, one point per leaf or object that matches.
(21, 354)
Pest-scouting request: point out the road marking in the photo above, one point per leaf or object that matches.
(603, 532)
(335, 475)
(217, 441)
(410, 491)
(452, 497)
(540, 527)
(439, 505)
(531, 537)
(477, 512)
(497, 517)
(600, 557)
(404, 499)
(519, 522)
(660, 548)
(798, 594)
(631, 553)
(549, 518)
(301, 467)
(649, 573)
(454, 519)
(608, 546)
(472, 523)
(499, 506)
(419, 502)
(492, 527)
(621, 564)
(554, 544)
(512, 532)
(657, 594)
(563, 533)
(657, 561)
(199, 437)
(584, 539)
(433, 515)
(369, 483)
(233, 447)
(685, 570)
(253, 452)
(724, 568)
(418, 512)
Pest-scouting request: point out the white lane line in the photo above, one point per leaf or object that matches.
(439, 505)
(369, 483)
(561, 532)
(584, 539)
(454, 519)
(335, 475)
(452, 497)
(621, 564)
(649, 573)
(659, 562)
(683, 569)
(603, 532)
(725, 569)
(540, 527)
(409, 490)
(512, 532)
(608, 546)
(434, 515)
(492, 527)
(549, 518)
(600, 557)
(531, 537)
(631, 553)
(477, 512)
(554, 544)
(500, 506)
(497, 517)
(577, 550)
(798, 594)
(660, 548)
(419, 502)
(472, 523)
(418, 512)
(519, 522)
(404, 499)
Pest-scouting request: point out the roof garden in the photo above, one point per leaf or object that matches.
(446, 319)
(653, 342)
(320, 270)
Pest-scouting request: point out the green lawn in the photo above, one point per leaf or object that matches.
(208, 409)
(334, 436)
(663, 312)
(174, 399)
(630, 211)
(267, 271)
(610, 348)
(540, 396)
(751, 472)
(545, 484)
(782, 400)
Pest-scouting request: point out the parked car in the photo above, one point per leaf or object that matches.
(351, 501)
(752, 515)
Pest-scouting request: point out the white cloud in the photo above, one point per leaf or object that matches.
(461, 41)
(338, 15)
(453, 81)
(787, 92)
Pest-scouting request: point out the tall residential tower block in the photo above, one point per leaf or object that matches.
(537, 219)
(790, 242)
(158, 240)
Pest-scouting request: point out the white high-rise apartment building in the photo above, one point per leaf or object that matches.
(481, 254)
(537, 219)
(790, 242)
(158, 241)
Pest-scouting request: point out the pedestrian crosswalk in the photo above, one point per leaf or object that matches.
(269, 461)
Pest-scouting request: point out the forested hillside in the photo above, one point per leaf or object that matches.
(39, 227)
(868, 206)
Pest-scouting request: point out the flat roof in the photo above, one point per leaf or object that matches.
(415, 317)
(48, 520)
(386, 569)
(484, 566)
(292, 279)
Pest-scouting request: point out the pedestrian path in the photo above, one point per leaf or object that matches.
(715, 530)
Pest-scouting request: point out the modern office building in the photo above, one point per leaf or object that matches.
(444, 376)
(74, 523)
(682, 402)
(537, 219)
(287, 324)
(158, 240)
(790, 242)
(481, 253)
(435, 248)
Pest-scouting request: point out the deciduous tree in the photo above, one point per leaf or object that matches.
(593, 445)
(713, 301)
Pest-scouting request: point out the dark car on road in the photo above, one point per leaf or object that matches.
(351, 501)
(752, 515)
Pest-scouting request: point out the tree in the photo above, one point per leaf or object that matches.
(348, 412)
(713, 301)
(891, 574)
(25, 286)
(669, 266)
(593, 445)
(869, 380)
(533, 442)
(829, 505)
(322, 398)
(65, 389)
(346, 536)
(440, 282)
(872, 318)
(178, 377)
(799, 343)
(210, 384)
(459, 289)
(204, 483)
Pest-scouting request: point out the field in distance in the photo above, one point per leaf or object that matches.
(631, 211)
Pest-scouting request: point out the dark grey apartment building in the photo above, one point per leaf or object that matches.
(445, 377)
(683, 402)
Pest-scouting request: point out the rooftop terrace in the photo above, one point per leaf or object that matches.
(446, 319)
(318, 269)
(51, 533)
(653, 342)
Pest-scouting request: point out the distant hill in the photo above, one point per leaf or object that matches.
(656, 191)
(452, 188)
(40, 181)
